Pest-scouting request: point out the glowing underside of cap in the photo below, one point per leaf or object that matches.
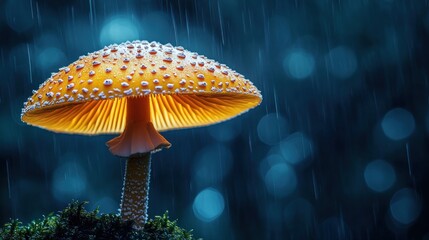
(168, 112)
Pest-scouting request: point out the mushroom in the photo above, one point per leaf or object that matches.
(138, 89)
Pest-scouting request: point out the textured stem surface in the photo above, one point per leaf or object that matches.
(139, 135)
(135, 195)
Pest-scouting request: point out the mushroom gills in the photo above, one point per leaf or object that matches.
(139, 135)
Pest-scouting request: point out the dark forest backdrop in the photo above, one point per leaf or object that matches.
(338, 149)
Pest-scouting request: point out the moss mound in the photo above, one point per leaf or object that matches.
(74, 222)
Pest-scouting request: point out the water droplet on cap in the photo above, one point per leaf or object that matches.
(70, 86)
(108, 82)
(168, 59)
(181, 55)
(79, 66)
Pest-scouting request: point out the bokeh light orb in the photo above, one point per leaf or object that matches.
(212, 164)
(68, 181)
(272, 128)
(225, 131)
(118, 29)
(405, 206)
(341, 62)
(398, 124)
(281, 180)
(296, 148)
(379, 175)
(270, 160)
(50, 58)
(19, 15)
(208, 205)
(299, 64)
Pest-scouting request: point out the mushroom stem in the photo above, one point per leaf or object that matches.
(138, 140)
(139, 135)
(135, 195)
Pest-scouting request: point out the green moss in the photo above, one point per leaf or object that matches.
(75, 222)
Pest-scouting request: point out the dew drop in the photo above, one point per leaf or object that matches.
(181, 55)
(108, 82)
(79, 66)
(70, 86)
(200, 76)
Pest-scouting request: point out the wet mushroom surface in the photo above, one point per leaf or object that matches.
(138, 89)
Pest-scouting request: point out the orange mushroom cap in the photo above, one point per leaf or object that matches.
(185, 90)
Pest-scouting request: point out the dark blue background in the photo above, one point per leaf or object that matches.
(338, 149)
